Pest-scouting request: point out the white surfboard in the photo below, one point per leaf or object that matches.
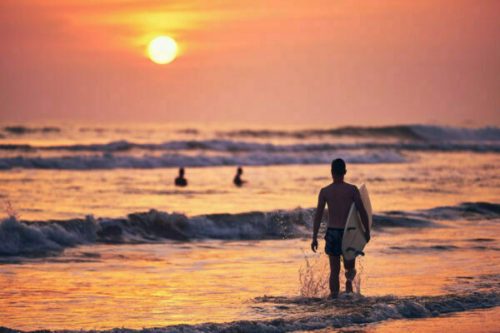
(354, 240)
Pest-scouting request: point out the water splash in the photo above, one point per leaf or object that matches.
(10, 211)
(359, 276)
(314, 275)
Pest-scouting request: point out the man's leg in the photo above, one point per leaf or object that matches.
(350, 273)
(334, 275)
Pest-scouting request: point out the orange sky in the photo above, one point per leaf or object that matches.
(327, 62)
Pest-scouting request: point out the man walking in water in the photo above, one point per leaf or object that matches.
(339, 196)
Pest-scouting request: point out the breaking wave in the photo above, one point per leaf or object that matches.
(111, 161)
(51, 237)
(44, 238)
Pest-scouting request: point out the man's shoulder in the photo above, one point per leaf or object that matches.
(323, 191)
(327, 187)
(352, 187)
(333, 185)
(349, 187)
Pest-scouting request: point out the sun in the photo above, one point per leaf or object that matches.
(162, 50)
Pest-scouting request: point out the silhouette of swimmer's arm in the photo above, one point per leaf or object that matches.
(362, 213)
(317, 220)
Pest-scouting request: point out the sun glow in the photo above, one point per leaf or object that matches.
(162, 50)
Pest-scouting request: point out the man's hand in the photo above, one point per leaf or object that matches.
(367, 236)
(314, 244)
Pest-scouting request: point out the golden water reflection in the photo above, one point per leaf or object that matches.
(150, 285)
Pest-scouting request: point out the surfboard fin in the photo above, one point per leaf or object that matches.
(356, 252)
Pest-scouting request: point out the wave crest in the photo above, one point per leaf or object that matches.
(42, 239)
(111, 161)
(403, 132)
(232, 146)
(49, 237)
(20, 130)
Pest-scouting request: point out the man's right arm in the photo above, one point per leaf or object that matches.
(317, 220)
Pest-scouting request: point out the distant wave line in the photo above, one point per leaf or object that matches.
(405, 132)
(112, 161)
(245, 146)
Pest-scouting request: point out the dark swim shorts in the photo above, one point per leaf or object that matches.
(333, 238)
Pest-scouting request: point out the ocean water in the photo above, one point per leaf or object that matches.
(99, 237)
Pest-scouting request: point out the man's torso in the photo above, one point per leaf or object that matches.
(339, 198)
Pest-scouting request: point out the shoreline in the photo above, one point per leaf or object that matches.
(344, 312)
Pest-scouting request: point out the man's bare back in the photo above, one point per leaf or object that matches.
(339, 198)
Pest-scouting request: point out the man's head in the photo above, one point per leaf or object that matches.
(181, 172)
(338, 167)
(239, 171)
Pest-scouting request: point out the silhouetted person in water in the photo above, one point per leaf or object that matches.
(339, 196)
(180, 180)
(237, 179)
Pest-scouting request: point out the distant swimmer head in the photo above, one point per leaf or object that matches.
(338, 167)
(237, 179)
(180, 180)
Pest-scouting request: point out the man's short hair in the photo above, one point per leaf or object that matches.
(338, 167)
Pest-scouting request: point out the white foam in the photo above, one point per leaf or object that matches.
(111, 161)
(314, 314)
